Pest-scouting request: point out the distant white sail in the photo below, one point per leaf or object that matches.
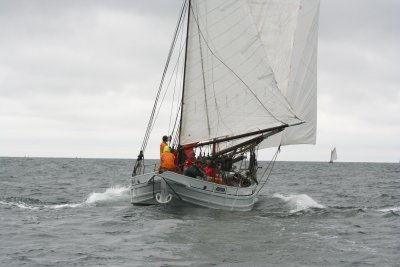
(333, 155)
(251, 65)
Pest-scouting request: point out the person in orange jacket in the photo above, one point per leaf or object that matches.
(163, 144)
(167, 160)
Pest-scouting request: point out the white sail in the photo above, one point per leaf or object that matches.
(230, 87)
(251, 65)
(333, 155)
(289, 32)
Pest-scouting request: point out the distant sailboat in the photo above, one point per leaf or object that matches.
(333, 155)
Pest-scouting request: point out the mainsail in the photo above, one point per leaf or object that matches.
(251, 65)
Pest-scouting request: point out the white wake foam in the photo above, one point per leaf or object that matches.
(394, 209)
(60, 206)
(299, 202)
(20, 205)
(111, 195)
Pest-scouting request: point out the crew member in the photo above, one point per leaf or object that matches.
(167, 160)
(189, 161)
(194, 170)
(163, 144)
(210, 169)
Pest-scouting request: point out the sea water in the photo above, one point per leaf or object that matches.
(77, 212)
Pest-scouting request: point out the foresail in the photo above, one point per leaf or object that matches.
(230, 85)
(289, 32)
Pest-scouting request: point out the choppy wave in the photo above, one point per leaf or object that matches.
(111, 195)
(299, 202)
(392, 209)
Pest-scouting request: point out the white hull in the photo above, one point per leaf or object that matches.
(191, 190)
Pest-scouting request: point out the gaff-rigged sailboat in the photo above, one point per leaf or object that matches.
(249, 82)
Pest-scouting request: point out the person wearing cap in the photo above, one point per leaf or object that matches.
(167, 160)
(195, 170)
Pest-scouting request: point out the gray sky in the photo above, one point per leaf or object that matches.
(78, 78)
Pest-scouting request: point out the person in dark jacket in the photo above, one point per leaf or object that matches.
(195, 170)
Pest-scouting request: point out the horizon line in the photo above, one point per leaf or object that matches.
(52, 157)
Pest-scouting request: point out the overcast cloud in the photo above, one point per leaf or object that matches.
(78, 78)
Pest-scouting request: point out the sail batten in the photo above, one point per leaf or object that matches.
(242, 70)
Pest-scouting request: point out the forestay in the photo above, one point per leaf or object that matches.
(251, 65)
